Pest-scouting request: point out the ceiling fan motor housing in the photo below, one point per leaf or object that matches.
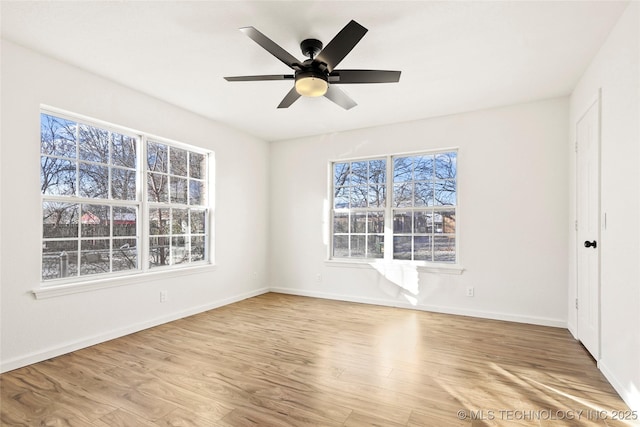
(311, 47)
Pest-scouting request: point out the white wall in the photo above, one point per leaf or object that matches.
(513, 211)
(616, 71)
(32, 329)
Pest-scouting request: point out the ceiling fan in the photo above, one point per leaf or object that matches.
(317, 75)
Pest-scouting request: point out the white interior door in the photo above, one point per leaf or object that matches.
(588, 228)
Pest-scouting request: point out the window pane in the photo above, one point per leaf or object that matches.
(340, 174)
(94, 181)
(423, 194)
(446, 165)
(358, 246)
(341, 199)
(158, 251)
(178, 189)
(157, 187)
(95, 221)
(94, 257)
(375, 248)
(57, 136)
(359, 196)
(401, 247)
(402, 195)
(124, 221)
(422, 222)
(377, 196)
(123, 151)
(358, 173)
(341, 246)
(377, 171)
(59, 259)
(198, 218)
(423, 168)
(57, 176)
(196, 196)
(157, 157)
(448, 224)
(196, 165)
(123, 184)
(375, 222)
(179, 221)
(159, 221)
(402, 169)
(358, 222)
(125, 254)
(178, 161)
(340, 222)
(445, 193)
(93, 144)
(437, 222)
(197, 248)
(59, 220)
(402, 222)
(422, 248)
(179, 250)
(444, 249)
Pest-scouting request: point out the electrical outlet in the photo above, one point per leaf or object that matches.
(470, 291)
(319, 277)
(163, 296)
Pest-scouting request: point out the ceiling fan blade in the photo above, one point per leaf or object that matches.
(363, 76)
(339, 97)
(341, 45)
(259, 78)
(271, 47)
(290, 98)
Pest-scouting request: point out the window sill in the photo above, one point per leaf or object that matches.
(51, 291)
(454, 269)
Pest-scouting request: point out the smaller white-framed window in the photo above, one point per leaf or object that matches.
(397, 207)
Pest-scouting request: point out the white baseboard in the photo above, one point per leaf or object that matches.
(630, 397)
(18, 362)
(557, 323)
(39, 356)
(572, 328)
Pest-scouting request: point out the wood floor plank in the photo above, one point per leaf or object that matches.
(281, 360)
(184, 418)
(357, 419)
(122, 418)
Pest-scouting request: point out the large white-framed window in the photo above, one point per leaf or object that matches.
(116, 202)
(396, 207)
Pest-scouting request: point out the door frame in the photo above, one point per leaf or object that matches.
(578, 238)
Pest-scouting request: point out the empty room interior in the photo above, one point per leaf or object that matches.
(327, 213)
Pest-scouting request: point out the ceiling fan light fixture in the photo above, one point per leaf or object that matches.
(311, 84)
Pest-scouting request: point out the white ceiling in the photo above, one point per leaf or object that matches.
(454, 56)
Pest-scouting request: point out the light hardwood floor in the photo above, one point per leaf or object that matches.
(279, 360)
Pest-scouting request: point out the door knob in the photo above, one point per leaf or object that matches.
(588, 244)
